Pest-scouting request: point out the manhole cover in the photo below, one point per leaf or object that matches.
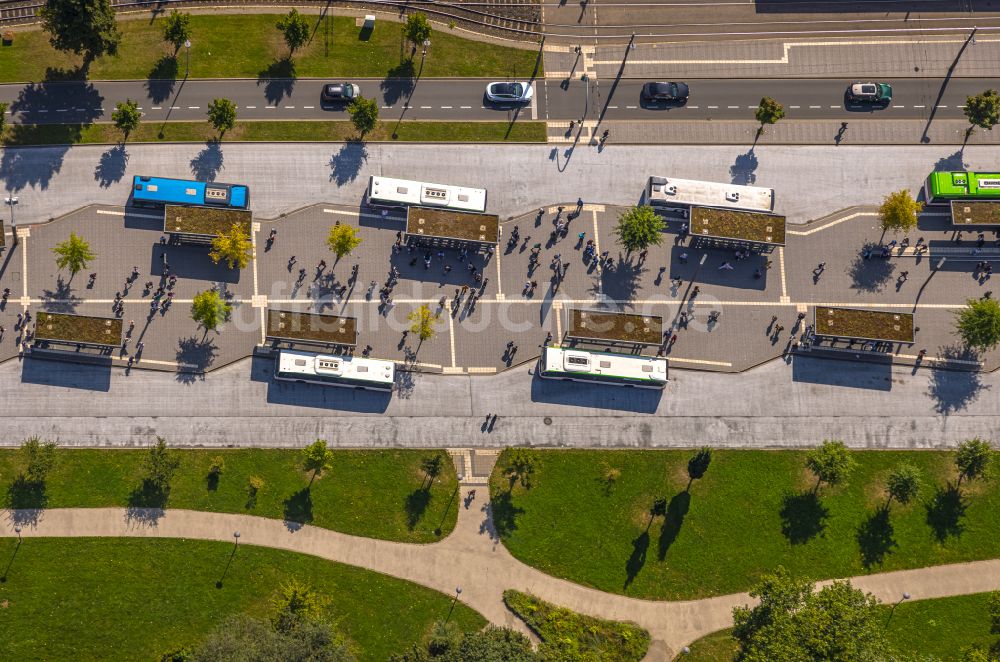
(547, 420)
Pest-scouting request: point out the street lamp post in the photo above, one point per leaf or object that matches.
(17, 530)
(236, 536)
(187, 60)
(11, 201)
(905, 596)
(427, 44)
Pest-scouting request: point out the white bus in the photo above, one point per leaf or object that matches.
(295, 366)
(401, 193)
(667, 191)
(604, 367)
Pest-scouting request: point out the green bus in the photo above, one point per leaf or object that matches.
(944, 186)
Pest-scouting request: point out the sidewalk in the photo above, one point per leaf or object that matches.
(785, 132)
(867, 57)
(473, 558)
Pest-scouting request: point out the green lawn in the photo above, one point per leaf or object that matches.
(133, 599)
(60, 134)
(752, 511)
(941, 628)
(249, 46)
(378, 494)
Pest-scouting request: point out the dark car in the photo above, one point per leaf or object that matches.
(339, 93)
(665, 92)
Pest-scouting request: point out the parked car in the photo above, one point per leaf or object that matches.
(874, 93)
(509, 92)
(339, 93)
(665, 92)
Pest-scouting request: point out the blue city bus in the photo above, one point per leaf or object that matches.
(160, 191)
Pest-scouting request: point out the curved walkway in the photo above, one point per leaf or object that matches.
(473, 558)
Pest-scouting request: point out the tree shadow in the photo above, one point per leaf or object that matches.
(26, 500)
(875, 538)
(621, 282)
(162, 78)
(870, 274)
(945, 511)
(61, 299)
(505, 513)
(346, 164)
(147, 503)
(673, 520)
(194, 356)
(212, 481)
(803, 517)
(298, 509)
(399, 82)
(111, 168)
(209, 161)
(637, 559)
(955, 390)
(278, 80)
(952, 162)
(416, 505)
(744, 168)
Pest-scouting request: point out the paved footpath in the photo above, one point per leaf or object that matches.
(473, 558)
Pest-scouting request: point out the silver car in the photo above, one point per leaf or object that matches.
(509, 92)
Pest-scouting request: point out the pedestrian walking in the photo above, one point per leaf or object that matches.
(903, 276)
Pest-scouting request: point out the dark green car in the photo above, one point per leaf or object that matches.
(874, 93)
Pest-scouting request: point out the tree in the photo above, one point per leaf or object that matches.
(222, 115)
(38, 458)
(972, 459)
(295, 604)
(160, 464)
(317, 458)
(994, 608)
(417, 29)
(831, 463)
(903, 483)
(792, 622)
(422, 322)
(210, 310)
(73, 253)
(899, 211)
(768, 111)
(444, 639)
(494, 644)
(983, 110)
(3, 118)
(295, 29)
(235, 247)
(639, 228)
(364, 114)
(81, 26)
(342, 239)
(177, 29)
(126, 116)
(976, 653)
(979, 323)
(244, 639)
(520, 466)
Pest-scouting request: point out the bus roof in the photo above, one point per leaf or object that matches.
(670, 190)
(186, 191)
(569, 361)
(964, 184)
(409, 192)
(863, 324)
(614, 326)
(312, 327)
(448, 224)
(347, 367)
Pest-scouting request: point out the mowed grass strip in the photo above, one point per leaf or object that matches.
(938, 629)
(587, 518)
(249, 46)
(319, 131)
(378, 494)
(136, 599)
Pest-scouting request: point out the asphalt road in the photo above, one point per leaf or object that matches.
(463, 99)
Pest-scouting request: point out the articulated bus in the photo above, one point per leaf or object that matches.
(371, 374)
(160, 191)
(401, 193)
(944, 186)
(603, 367)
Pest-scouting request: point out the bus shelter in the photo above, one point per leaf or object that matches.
(607, 327)
(737, 229)
(876, 330)
(452, 229)
(285, 326)
(200, 225)
(58, 331)
(975, 212)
